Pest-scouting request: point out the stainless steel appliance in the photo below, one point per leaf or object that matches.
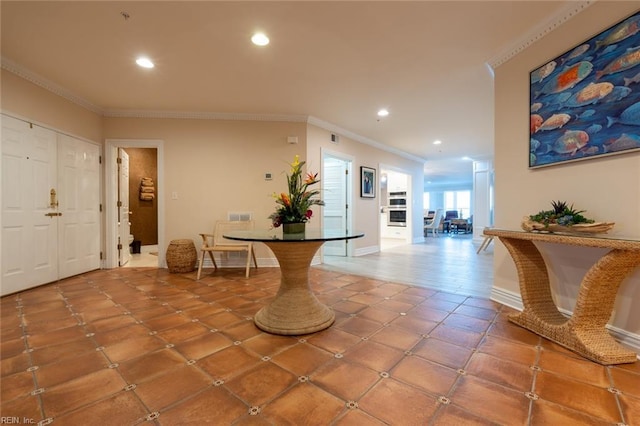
(397, 209)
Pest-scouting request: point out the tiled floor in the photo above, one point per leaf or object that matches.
(143, 346)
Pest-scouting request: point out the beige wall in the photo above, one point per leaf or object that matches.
(24, 99)
(366, 211)
(608, 188)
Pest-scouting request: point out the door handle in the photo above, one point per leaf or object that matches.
(53, 200)
(52, 214)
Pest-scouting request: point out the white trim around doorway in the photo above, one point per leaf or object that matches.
(111, 188)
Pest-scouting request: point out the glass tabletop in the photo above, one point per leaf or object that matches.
(271, 235)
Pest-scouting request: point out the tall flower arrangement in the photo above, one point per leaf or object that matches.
(295, 206)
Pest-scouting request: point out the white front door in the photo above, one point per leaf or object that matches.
(79, 203)
(124, 226)
(29, 213)
(335, 177)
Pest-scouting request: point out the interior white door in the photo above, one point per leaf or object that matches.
(124, 226)
(79, 203)
(29, 227)
(335, 195)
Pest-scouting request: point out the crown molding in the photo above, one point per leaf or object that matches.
(38, 80)
(196, 115)
(539, 31)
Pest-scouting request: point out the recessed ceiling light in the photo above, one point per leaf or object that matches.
(144, 62)
(383, 113)
(259, 39)
(437, 142)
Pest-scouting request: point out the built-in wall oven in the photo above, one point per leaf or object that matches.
(397, 209)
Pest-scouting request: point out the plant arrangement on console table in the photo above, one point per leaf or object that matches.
(294, 208)
(564, 219)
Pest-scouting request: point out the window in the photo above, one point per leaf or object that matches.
(458, 200)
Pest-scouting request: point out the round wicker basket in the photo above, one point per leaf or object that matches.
(181, 256)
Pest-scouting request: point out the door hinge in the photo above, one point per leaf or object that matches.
(101, 207)
(99, 159)
(101, 256)
(119, 160)
(119, 203)
(346, 172)
(119, 246)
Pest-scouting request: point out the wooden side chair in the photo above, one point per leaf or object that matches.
(217, 243)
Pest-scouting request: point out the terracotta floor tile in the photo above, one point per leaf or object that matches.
(357, 418)
(261, 384)
(55, 353)
(575, 368)
(110, 337)
(546, 413)
(302, 359)
(348, 306)
(70, 368)
(393, 354)
(167, 389)
(595, 401)
(123, 408)
(398, 404)
(17, 385)
(133, 348)
(488, 400)
(81, 391)
(630, 409)
(199, 410)
(346, 380)
(182, 332)
(515, 351)
(395, 306)
(451, 415)
(13, 347)
(442, 352)
(305, 404)
(334, 340)
(27, 407)
(151, 365)
(203, 345)
(430, 377)
(501, 371)
(396, 337)
(382, 316)
(229, 362)
(222, 320)
(168, 321)
(14, 364)
(374, 355)
(464, 322)
(242, 331)
(414, 324)
(359, 326)
(265, 344)
(457, 336)
(626, 381)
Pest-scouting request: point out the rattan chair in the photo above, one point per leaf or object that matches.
(217, 243)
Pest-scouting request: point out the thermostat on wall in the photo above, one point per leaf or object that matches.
(267, 176)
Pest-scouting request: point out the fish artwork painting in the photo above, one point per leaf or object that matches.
(586, 102)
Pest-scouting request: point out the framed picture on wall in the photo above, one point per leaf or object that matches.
(586, 102)
(367, 182)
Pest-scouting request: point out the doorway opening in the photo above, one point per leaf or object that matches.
(145, 212)
(337, 190)
(396, 199)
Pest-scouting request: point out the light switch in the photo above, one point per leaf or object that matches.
(174, 195)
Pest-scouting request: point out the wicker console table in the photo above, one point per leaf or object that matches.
(584, 332)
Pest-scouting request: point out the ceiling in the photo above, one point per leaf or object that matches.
(332, 63)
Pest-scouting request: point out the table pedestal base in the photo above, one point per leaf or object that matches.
(295, 309)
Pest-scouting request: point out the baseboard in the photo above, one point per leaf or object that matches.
(366, 250)
(513, 300)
